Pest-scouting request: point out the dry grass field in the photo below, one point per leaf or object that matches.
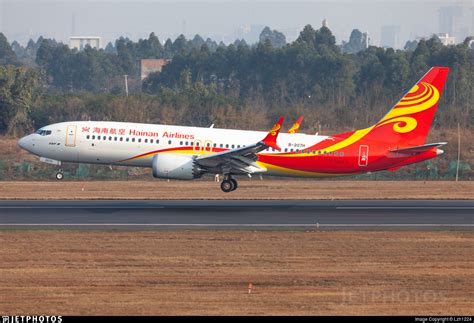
(207, 272)
(248, 189)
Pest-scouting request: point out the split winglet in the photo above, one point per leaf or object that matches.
(296, 125)
(271, 138)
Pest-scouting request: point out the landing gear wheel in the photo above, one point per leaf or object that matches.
(234, 184)
(227, 186)
(59, 175)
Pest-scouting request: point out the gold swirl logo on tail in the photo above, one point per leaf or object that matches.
(421, 97)
(402, 124)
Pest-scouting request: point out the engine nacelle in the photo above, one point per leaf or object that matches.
(175, 166)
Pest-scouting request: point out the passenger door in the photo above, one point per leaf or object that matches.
(71, 136)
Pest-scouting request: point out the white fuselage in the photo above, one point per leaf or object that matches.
(134, 144)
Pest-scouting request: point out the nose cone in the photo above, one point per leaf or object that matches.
(23, 142)
(26, 143)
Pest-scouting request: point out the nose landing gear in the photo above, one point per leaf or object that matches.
(60, 175)
(229, 184)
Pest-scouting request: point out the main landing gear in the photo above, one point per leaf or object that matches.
(228, 184)
(60, 174)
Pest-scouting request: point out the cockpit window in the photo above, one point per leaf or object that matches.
(43, 132)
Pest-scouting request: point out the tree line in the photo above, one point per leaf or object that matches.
(347, 86)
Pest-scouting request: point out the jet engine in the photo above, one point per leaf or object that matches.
(175, 166)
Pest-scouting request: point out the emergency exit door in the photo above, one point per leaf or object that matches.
(363, 155)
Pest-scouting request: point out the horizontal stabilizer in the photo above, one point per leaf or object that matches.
(418, 149)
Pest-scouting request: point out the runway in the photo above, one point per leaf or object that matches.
(239, 214)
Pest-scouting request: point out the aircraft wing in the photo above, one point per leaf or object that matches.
(242, 160)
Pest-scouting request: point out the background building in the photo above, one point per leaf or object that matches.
(447, 40)
(390, 36)
(449, 19)
(472, 21)
(80, 42)
(366, 39)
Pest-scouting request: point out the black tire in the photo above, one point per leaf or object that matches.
(227, 186)
(59, 176)
(234, 184)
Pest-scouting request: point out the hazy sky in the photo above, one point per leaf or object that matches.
(220, 20)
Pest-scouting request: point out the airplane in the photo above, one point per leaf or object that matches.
(185, 153)
(296, 126)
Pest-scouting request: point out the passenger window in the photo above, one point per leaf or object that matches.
(341, 153)
(146, 140)
(93, 137)
(127, 139)
(233, 146)
(286, 150)
(214, 145)
(221, 145)
(180, 143)
(115, 138)
(121, 138)
(157, 141)
(169, 142)
(87, 137)
(133, 139)
(226, 145)
(110, 138)
(336, 153)
(151, 141)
